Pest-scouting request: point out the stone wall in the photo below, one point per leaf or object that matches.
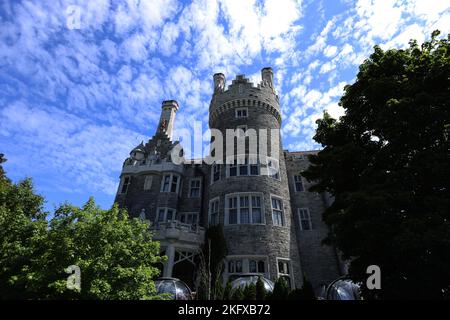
(319, 262)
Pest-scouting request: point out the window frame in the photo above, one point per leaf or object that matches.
(277, 175)
(186, 215)
(213, 172)
(170, 183)
(283, 219)
(246, 260)
(148, 185)
(240, 109)
(210, 208)
(290, 273)
(166, 210)
(298, 181)
(250, 206)
(123, 184)
(199, 187)
(308, 219)
(247, 165)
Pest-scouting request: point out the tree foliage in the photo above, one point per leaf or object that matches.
(250, 292)
(386, 162)
(260, 289)
(280, 290)
(238, 294)
(306, 292)
(211, 261)
(116, 255)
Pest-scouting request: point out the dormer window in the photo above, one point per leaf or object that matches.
(241, 112)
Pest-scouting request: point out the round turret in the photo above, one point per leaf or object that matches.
(248, 191)
(138, 153)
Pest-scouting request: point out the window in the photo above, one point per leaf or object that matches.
(125, 184)
(283, 267)
(298, 184)
(148, 182)
(246, 264)
(235, 266)
(254, 169)
(244, 167)
(284, 271)
(305, 219)
(256, 209)
(244, 209)
(189, 217)
(194, 188)
(174, 186)
(215, 172)
(232, 210)
(232, 169)
(165, 215)
(256, 266)
(273, 169)
(214, 212)
(170, 183)
(166, 183)
(277, 212)
(241, 112)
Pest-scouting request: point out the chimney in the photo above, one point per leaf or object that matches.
(169, 109)
(267, 77)
(219, 82)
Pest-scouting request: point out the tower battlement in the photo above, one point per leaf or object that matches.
(243, 92)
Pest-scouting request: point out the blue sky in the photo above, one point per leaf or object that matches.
(81, 82)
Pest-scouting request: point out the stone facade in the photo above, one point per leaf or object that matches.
(272, 224)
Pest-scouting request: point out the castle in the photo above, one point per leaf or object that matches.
(272, 225)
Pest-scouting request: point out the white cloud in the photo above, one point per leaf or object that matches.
(330, 51)
(107, 79)
(53, 142)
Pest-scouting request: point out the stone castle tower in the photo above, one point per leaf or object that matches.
(272, 224)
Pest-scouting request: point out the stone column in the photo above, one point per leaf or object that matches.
(168, 266)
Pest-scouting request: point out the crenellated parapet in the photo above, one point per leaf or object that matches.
(243, 93)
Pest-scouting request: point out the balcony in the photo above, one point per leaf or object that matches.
(176, 231)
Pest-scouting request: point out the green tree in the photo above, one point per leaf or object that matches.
(260, 289)
(116, 254)
(250, 292)
(280, 290)
(386, 163)
(23, 230)
(227, 292)
(306, 292)
(238, 294)
(211, 263)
